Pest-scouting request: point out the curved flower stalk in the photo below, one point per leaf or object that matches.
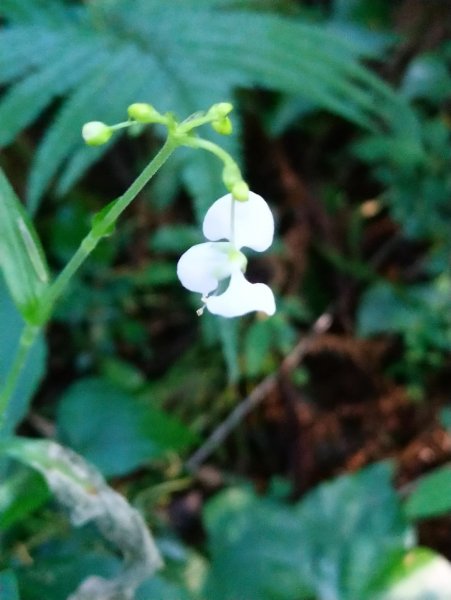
(204, 266)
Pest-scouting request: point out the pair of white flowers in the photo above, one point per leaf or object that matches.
(205, 266)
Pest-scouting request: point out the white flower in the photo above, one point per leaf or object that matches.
(202, 267)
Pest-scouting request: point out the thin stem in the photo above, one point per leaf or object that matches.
(27, 338)
(224, 156)
(102, 227)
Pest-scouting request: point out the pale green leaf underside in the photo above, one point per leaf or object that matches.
(21, 257)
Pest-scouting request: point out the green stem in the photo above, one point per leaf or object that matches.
(27, 338)
(196, 142)
(103, 225)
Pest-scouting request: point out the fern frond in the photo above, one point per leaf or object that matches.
(190, 54)
(26, 100)
(139, 85)
(35, 11)
(95, 99)
(16, 57)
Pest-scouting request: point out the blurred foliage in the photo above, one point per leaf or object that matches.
(343, 124)
(106, 54)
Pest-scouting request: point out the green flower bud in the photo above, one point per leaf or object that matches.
(240, 191)
(96, 133)
(220, 110)
(143, 113)
(223, 126)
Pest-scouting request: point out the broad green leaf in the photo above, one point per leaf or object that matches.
(21, 256)
(431, 496)
(8, 586)
(335, 543)
(115, 430)
(34, 370)
(68, 569)
(257, 548)
(419, 575)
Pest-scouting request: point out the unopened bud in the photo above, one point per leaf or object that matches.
(143, 113)
(223, 126)
(240, 191)
(220, 110)
(96, 133)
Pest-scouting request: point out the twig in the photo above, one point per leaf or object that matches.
(258, 394)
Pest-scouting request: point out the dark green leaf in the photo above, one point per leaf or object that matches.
(335, 543)
(431, 496)
(8, 586)
(21, 493)
(114, 430)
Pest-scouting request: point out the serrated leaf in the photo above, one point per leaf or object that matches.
(21, 256)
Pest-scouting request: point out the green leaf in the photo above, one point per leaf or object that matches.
(21, 493)
(259, 341)
(63, 138)
(175, 238)
(158, 588)
(427, 77)
(431, 496)
(256, 548)
(46, 11)
(68, 570)
(21, 256)
(8, 586)
(121, 432)
(384, 308)
(16, 60)
(69, 66)
(335, 543)
(34, 370)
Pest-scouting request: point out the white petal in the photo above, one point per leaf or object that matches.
(202, 266)
(242, 297)
(253, 222)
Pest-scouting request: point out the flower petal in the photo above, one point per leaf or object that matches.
(242, 297)
(253, 222)
(202, 266)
